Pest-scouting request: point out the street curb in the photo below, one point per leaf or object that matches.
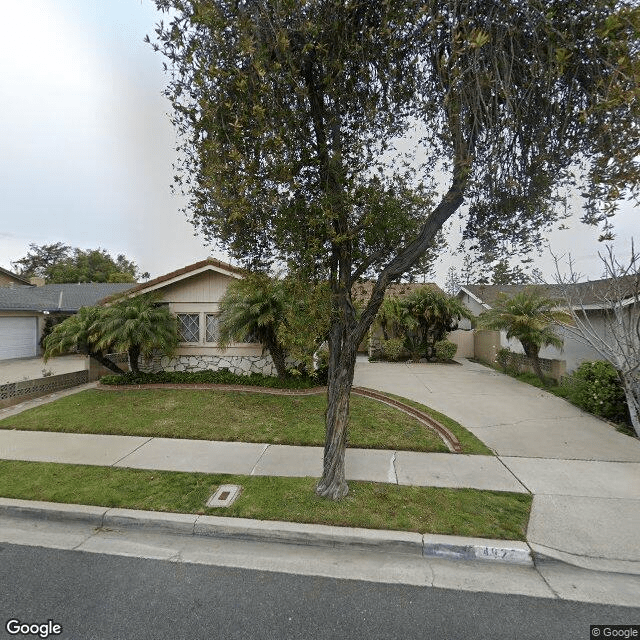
(405, 542)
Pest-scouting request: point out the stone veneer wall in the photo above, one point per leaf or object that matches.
(240, 365)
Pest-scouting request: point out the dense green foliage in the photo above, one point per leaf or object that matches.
(445, 350)
(596, 388)
(58, 263)
(78, 333)
(288, 317)
(221, 376)
(392, 349)
(420, 320)
(139, 326)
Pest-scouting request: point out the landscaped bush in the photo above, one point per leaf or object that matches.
(595, 387)
(392, 349)
(222, 376)
(503, 358)
(445, 350)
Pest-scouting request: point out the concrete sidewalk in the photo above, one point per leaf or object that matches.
(243, 458)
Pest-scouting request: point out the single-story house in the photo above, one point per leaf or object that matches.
(9, 279)
(592, 297)
(193, 294)
(24, 310)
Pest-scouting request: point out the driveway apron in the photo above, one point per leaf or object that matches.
(583, 474)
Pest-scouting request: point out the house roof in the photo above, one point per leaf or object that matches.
(210, 264)
(593, 293)
(19, 279)
(67, 297)
(362, 290)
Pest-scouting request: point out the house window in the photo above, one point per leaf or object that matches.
(188, 327)
(211, 334)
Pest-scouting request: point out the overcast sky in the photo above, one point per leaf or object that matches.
(87, 146)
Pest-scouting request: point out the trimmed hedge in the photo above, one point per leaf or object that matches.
(222, 376)
(445, 350)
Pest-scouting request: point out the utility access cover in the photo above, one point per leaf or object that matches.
(224, 496)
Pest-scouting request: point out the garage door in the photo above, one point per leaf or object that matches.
(17, 338)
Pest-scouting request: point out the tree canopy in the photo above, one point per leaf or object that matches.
(294, 118)
(58, 263)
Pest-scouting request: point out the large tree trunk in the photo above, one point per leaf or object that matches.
(134, 356)
(279, 358)
(532, 352)
(631, 386)
(105, 362)
(342, 361)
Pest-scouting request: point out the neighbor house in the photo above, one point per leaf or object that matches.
(592, 297)
(193, 294)
(25, 311)
(9, 279)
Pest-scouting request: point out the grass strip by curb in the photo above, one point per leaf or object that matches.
(462, 512)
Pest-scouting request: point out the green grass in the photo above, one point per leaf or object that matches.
(463, 512)
(225, 415)
(470, 444)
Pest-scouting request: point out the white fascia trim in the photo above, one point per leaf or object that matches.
(184, 276)
(474, 297)
(601, 306)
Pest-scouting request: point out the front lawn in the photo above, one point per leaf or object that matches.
(224, 415)
(233, 416)
(462, 512)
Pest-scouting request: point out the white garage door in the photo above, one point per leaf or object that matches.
(17, 338)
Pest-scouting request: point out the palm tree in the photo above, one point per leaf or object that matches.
(422, 318)
(255, 306)
(79, 332)
(436, 314)
(527, 316)
(139, 326)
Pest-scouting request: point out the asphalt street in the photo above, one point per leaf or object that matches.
(98, 596)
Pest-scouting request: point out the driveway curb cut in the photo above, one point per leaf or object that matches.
(405, 542)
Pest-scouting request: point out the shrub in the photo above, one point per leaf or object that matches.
(503, 358)
(445, 350)
(596, 388)
(392, 349)
(222, 376)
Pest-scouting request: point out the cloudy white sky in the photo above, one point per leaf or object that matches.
(87, 146)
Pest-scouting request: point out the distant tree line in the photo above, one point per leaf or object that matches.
(58, 263)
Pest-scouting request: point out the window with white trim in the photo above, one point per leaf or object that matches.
(188, 327)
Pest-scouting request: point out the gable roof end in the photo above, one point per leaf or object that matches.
(210, 264)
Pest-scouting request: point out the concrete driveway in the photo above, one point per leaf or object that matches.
(583, 474)
(19, 369)
(510, 417)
